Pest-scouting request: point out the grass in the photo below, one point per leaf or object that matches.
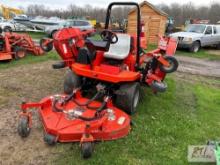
(187, 114)
(203, 54)
(29, 59)
(35, 35)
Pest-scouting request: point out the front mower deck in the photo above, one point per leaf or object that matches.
(112, 125)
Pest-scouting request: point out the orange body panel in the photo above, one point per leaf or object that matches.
(97, 73)
(5, 56)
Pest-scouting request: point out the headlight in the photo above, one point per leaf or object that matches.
(187, 39)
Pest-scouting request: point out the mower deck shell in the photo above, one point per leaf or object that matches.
(67, 130)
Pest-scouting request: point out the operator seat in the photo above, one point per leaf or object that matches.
(120, 50)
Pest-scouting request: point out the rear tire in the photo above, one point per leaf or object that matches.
(195, 47)
(128, 97)
(19, 53)
(71, 82)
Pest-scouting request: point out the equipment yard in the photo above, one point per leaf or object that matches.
(185, 119)
(110, 83)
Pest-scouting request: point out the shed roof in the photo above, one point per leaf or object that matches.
(151, 6)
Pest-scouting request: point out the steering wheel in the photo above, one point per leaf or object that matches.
(109, 36)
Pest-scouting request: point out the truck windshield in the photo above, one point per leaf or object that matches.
(196, 28)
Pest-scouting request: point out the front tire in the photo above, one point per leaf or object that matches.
(128, 97)
(19, 53)
(23, 127)
(86, 149)
(195, 47)
(173, 65)
(71, 82)
(46, 47)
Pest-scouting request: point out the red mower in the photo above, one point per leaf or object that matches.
(15, 46)
(102, 86)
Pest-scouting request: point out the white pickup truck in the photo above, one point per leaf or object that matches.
(197, 36)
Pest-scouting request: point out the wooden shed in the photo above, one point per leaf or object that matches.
(154, 21)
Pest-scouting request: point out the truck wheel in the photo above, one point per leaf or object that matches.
(53, 34)
(195, 47)
(7, 29)
(128, 97)
(19, 53)
(71, 82)
(46, 47)
(173, 65)
(218, 46)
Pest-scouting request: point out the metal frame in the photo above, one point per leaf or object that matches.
(108, 14)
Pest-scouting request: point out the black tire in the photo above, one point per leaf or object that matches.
(128, 97)
(50, 139)
(23, 127)
(7, 29)
(218, 46)
(71, 82)
(195, 47)
(86, 149)
(159, 86)
(52, 35)
(19, 53)
(47, 47)
(173, 65)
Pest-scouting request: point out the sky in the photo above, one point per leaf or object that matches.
(100, 3)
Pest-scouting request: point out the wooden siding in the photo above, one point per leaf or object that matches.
(154, 23)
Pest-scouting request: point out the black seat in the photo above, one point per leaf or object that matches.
(85, 56)
(96, 45)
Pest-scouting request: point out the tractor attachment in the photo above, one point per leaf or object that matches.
(72, 118)
(15, 46)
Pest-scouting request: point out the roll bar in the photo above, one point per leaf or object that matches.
(108, 14)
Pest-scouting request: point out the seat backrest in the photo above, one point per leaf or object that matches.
(121, 49)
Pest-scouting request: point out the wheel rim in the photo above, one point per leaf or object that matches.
(20, 54)
(171, 65)
(136, 98)
(196, 48)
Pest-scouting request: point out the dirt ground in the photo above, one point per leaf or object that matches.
(215, 52)
(33, 82)
(199, 66)
(30, 83)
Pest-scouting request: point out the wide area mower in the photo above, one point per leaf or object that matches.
(102, 86)
(16, 46)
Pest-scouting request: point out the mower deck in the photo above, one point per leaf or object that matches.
(112, 124)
